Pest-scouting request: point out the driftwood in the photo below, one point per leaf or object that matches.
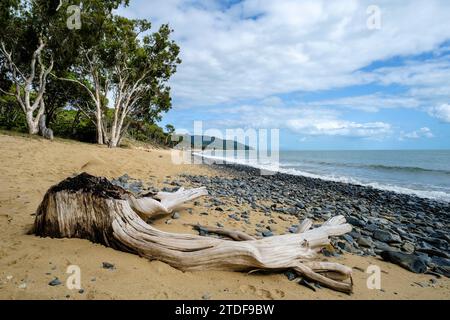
(92, 208)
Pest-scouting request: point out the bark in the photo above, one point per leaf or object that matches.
(92, 208)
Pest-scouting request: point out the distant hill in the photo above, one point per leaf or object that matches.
(212, 143)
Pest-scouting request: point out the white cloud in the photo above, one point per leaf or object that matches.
(302, 120)
(336, 127)
(258, 48)
(418, 134)
(442, 112)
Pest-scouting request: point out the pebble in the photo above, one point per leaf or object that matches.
(267, 233)
(206, 296)
(365, 242)
(175, 215)
(55, 282)
(107, 265)
(293, 229)
(385, 236)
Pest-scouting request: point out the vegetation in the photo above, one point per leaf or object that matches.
(97, 83)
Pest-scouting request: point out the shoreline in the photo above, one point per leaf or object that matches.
(416, 227)
(371, 185)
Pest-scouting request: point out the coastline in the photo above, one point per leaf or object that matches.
(437, 196)
(31, 166)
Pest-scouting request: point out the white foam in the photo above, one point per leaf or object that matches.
(435, 195)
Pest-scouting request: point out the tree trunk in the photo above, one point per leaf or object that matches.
(99, 126)
(33, 126)
(92, 208)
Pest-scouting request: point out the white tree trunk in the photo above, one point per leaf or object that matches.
(99, 124)
(26, 88)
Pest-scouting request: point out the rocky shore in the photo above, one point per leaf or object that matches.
(409, 231)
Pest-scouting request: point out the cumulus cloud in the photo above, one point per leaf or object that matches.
(418, 134)
(301, 120)
(255, 49)
(442, 112)
(338, 127)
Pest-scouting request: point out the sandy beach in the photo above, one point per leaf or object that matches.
(28, 263)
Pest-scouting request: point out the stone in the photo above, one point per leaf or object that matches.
(410, 262)
(23, 286)
(55, 282)
(234, 217)
(290, 275)
(176, 215)
(267, 233)
(365, 242)
(408, 247)
(206, 296)
(293, 229)
(107, 265)
(386, 236)
(355, 222)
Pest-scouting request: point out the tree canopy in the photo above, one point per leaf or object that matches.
(111, 70)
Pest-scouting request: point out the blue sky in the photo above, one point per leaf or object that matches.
(312, 69)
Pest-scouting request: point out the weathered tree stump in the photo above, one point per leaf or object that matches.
(92, 208)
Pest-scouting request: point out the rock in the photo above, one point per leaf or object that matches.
(365, 242)
(168, 221)
(175, 215)
(234, 217)
(124, 178)
(22, 286)
(293, 229)
(348, 238)
(381, 246)
(408, 247)
(355, 222)
(206, 296)
(267, 233)
(327, 253)
(107, 265)
(410, 262)
(81, 291)
(55, 282)
(290, 275)
(219, 225)
(386, 236)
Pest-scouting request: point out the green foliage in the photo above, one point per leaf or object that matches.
(113, 39)
(11, 116)
(149, 132)
(74, 125)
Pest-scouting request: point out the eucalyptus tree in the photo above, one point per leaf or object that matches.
(126, 75)
(25, 58)
(37, 41)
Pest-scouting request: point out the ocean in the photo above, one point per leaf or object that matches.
(424, 173)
